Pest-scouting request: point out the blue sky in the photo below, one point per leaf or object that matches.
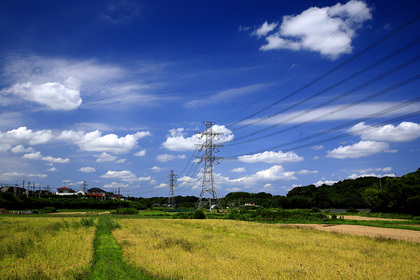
(114, 93)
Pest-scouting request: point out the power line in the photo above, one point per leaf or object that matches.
(365, 84)
(326, 74)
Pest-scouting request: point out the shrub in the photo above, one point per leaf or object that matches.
(352, 210)
(125, 211)
(199, 215)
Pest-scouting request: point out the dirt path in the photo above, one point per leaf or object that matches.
(360, 218)
(399, 234)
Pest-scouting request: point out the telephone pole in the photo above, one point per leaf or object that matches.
(172, 184)
(209, 159)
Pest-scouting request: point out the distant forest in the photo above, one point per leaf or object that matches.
(387, 194)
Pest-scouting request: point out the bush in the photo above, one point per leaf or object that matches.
(125, 211)
(199, 215)
(352, 210)
(47, 210)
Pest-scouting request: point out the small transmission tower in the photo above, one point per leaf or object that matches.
(172, 184)
(209, 159)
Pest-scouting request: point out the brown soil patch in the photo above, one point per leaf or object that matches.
(392, 233)
(359, 218)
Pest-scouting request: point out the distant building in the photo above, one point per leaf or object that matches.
(96, 193)
(15, 190)
(65, 191)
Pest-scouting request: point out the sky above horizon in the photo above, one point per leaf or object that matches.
(116, 93)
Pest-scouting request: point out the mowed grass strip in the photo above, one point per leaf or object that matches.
(45, 248)
(108, 263)
(223, 249)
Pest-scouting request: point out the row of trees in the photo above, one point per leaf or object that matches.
(394, 195)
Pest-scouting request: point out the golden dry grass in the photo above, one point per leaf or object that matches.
(223, 249)
(45, 248)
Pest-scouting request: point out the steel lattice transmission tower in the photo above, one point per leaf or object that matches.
(172, 184)
(209, 159)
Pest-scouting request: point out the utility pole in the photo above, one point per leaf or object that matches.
(209, 159)
(172, 184)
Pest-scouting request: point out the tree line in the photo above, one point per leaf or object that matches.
(387, 194)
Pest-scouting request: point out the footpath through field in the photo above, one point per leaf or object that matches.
(108, 263)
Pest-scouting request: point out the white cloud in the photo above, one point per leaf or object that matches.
(328, 30)
(238, 170)
(124, 175)
(355, 176)
(325, 113)
(274, 173)
(141, 153)
(161, 186)
(265, 28)
(34, 155)
(168, 157)
(87, 169)
(115, 185)
(271, 157)
(224, 95)
(52, 169)
(58, 84)
(53, 95)
(95, 142)
(105, 157)
(233, 189)
(326, 182)
(176, 140)
(305, 172)
(121, 160)
(21, 149)
(156, 169)
(317, 147)
(404, 132)
(23, 135)
(360, 149)
(385, 169)
(56, 160)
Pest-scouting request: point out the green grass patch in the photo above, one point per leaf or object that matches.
(108, 260)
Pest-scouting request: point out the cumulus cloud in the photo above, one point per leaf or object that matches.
(21, 149)
(156, 169)
(87, 169)
(274, 173)
(168, 157)
(141, 153)
(53, 95)
(327, 30)
(271, 157)
(360, 149)
(238, 170)
(56, 160)
(404, 132)
(34, 155)
(52, 169)
(325, 182)
(23, 135)
(95, 142)
(124, 175)
(105, 157)
(176, 140)
(265, 28)
(355, 176)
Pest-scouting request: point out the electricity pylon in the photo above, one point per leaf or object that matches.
(209, 159)
(172, 183)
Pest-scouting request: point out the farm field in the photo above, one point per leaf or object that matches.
(45, 248)
(223, 249)
(38, 247)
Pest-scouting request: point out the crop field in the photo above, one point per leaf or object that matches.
(63, 247)
(223, 249)
(45, 248)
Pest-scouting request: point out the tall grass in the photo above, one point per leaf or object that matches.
(46, 248)
(225, 249)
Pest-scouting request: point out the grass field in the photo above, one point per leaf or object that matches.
(223, 249)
